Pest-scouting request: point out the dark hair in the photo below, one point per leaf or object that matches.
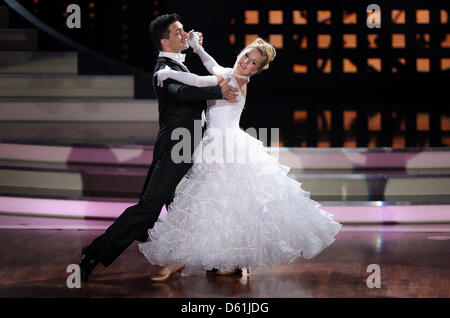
(159, 28)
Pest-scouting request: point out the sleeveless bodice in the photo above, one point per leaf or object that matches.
(222, 114)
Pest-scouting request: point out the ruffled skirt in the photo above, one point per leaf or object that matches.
(246, 212)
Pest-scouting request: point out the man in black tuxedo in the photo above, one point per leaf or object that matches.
(179, 106)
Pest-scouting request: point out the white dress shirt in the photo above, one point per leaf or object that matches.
(177, 57)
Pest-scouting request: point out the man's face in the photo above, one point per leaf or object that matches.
(177, 40)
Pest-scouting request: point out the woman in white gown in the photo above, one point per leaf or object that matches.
(237, 208)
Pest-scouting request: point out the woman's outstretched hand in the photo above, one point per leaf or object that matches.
(195, 40)
(162, 75)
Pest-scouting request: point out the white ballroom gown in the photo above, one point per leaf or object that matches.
(238, 208)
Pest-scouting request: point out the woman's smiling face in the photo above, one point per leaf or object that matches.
(248, 62)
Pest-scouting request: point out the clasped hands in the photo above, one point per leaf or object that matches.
(195, 40)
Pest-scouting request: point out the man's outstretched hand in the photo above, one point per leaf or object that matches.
(229, 93)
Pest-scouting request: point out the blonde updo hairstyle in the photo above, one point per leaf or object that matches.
(267, 51)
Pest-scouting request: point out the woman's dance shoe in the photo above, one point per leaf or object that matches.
(245, 276)
(166, 273)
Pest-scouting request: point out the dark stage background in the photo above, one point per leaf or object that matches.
(335, 81)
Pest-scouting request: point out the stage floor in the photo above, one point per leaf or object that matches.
(414, 262)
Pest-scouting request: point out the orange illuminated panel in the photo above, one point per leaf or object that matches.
(277, 144)
(300, 116)
(372, 40)
(276, 40)
(349, 41)
(398, 41)
(445, 64)
(402, 124)
(423, 65)
(275, 17)
(423, 40)
(398, 16)
(299, 17)
(374, 123)
(249, 38)
(232, 21)
(349, 66)
(446, 41)
(423, 16)
(350, 143)
(444, 16)
(401, 61)
(323, 41)
(300, 68)
(400, 120)
(323, 144)
(232, 38)
(374, 63)
(321, 125)
(251, 16)
(349, 119)
(324, 16)
(445, 140)
(303, 42)
(422, 122)
(324, 65)
(398, 142)
(349, 17)
(372, 142)
(445, 123)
